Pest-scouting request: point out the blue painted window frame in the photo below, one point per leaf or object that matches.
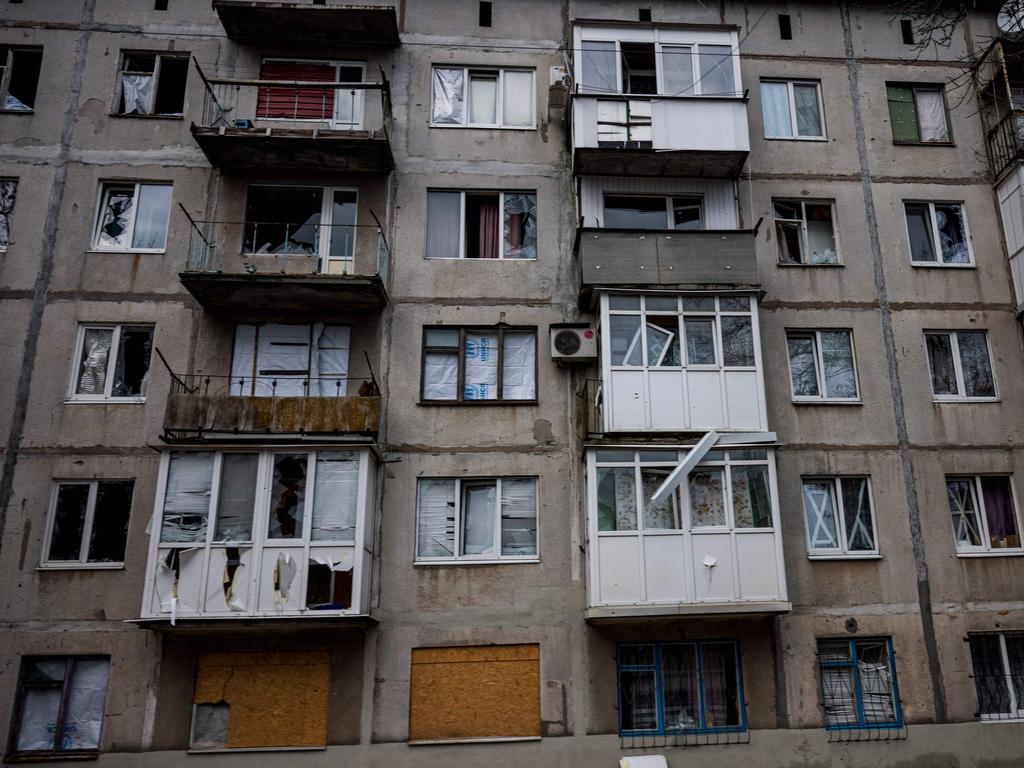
(656, 667)
(861, 724)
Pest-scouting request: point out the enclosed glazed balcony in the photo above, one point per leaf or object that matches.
(258, 21)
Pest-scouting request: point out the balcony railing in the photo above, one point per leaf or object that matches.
(1005, 141)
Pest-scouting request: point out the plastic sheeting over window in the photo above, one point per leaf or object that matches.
(448, 96)
(335, 496)
(8, 193)
(274, 359)
(931, 115)
(236, 497)
(92, 369)
(519, 366)
(481, 366)
(61, 704)
(187, 498)
(857, 682)
(520, 226)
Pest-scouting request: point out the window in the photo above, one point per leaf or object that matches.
(59, 707)
(132, 217)
(635, 68)
(19, 77)
(984, 514)
(785, 27)
(918, 113)
(123, 350)
(666, 688)
(341, 107)
(907, 31)
(476, 519)
(485, 13)
(8, 193)
(858, 684)
(483, 98)
(479, 364)
(465, 225)
(821, 366)
(997, 659)
(961, 365)
(805, 232)
(88, 523)
(792, 109)
(646, 212)
(278, 360)
(475, 692)
(840, 517)
(938, 234)
(152, 83)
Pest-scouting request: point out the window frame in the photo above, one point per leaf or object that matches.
(819, 368)
(460, 400)
(358, 104)
(105, 187)
(914, 88)
(805, 242)
(789, 83)
(108, 383)
(5, 78)
(843, 551)
(698, 199)
(1016, 713)
(958, 368)
(933, 222)
(64, 685)
(82, 563)
(695, 90)
(8, 216)
(659, 692)
(462, 223)
(978, 498)
(483, 559)
(119, 84)
(861, 724)
(499, 107)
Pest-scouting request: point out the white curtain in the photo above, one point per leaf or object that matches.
(138, 93)
(931, 115)
(775, 110)
(517, 102)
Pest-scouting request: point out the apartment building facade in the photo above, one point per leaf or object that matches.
(491, 382)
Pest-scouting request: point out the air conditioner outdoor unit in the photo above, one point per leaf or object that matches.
(573, 343)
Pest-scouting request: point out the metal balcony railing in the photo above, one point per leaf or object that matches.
(272, 386)
(1005, 141)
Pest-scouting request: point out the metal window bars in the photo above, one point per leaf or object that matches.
(272, 385)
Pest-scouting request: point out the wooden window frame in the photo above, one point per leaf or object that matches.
(460, 400)
(119, 84)
(914, 87)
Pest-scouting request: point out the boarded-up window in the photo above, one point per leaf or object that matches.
(475, 692)
(274, 699)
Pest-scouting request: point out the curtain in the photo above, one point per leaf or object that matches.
(775, 110)
(707, 502)
(335, 496)
(638, 700)
(187, 497)
(444, 224)
(720, 693)
(138, 94)
(952, 234)
(92, 372)
(520, 226)
(296, 103)
(999, 512)
(961, 506)
(435, 518)
(931, 115)
(448, 96)
(680, 687)
(488, 227)
(151, 217)
(517, 99)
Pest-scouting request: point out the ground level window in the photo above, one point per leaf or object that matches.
(858, 684)
(680, 687)
(998, 662)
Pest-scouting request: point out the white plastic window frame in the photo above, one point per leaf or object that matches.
(805, 241)
(977, 497)
(108, 383)
(696, 197)
(659, 54)
(499, 108)
(933, 223)
(90, 513)
(105, 187)
(1016, 713)
(359, 105)
(482, 559)
(961, 385)
(792, 109)
(119, 86)
(819, 367)
(842, 552)
(462, 223)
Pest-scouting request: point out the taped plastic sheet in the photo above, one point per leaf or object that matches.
(92, 370)
(187, 499)
(282, 360)
(931, 115)
(335, 496)
(243, 359)
(440, 376)
(481, 353)
(237, 496)
(330, 361)
(520, 226)
(38, 725)
(519, 516)
(519, 366)
(478, 514)
(84, 717)
(285, 570)
(435, 524)
(138, 94)
(210, 725)
(449, 96)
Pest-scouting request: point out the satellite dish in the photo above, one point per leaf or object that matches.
(1011, 19)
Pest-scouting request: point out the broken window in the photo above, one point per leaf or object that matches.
(997, 660)
(88, 522)
(483, 98)
(112, 362)
(187, 497)
(8, 192)
(287, 496)
(132, 217)
(821, 365)
(805, 232)
(341, 107)
(636, 68)
(639, 75)
(491, 519)
(470, 364)
(153, 83)
(792, 109)
(481, 225)
(918, 113)
(667, 688)
(281, 360)
(840, 517)
(961, 365)
(19, 78)
(59, 706)
(938, 234)
(649, 212)
(858, 684)
(984, 513)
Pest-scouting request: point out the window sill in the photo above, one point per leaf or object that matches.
(46, 757)
(947, 400)
(147, 117)
(489, 561)
(938, 265)
(827, 265)
(80, 567)
(485, 127)
(157, 251)
(225, 750)
(1003, 553)
(826, 401)
(499, 260)
(461, 403)
(492, 740)
(923, 143)
(872, 556)
(996, 719)
(17, 112)
(105, 401)
(797, 138)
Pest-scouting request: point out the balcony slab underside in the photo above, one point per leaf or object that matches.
(690, 163)
(295, 149)
(616, 613)
(309, 295)
(255, 21)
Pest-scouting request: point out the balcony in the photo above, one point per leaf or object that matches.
(306, 267)
(202, 408)
(253, 21)
(671, 259)
(295, 125)
(615, 135)
(1005, 142)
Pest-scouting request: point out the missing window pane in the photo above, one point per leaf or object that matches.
(24, 79)
(485, 13)
(131, 374)
(907, 31)
(328, 588)
(170, 90)
(68, 522)
(288, 496)
(282, 220)
(482, 226)
(638, 68)
(785, 27)
(109, 533)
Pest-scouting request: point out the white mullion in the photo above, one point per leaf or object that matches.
(1008, 675)
(792, 108)
(618, 68)
(659, 66)
(698, 86)
(979, 506)
(90, 515)
(323, 249)
(819, 365)
(458, 519)
(51, 519)
(156, 85)
(639, 500)
(730, 520)
(933, 221)
(211, 522)
(115, 345)
(804, 235)
(5, 81)
(130, 235)
(462, 222)
(307, 531)
(839, 510)
(466, 91)
(497, 514)
(954, 338)
(499, 99)
(258, 539)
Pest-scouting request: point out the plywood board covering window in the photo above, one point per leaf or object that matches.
(254, 700)
(475, 692)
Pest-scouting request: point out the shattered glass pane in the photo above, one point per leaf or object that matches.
(115, 217)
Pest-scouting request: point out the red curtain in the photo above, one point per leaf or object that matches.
(489, 228)
(296, 103)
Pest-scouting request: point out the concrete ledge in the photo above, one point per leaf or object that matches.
(626, 612)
